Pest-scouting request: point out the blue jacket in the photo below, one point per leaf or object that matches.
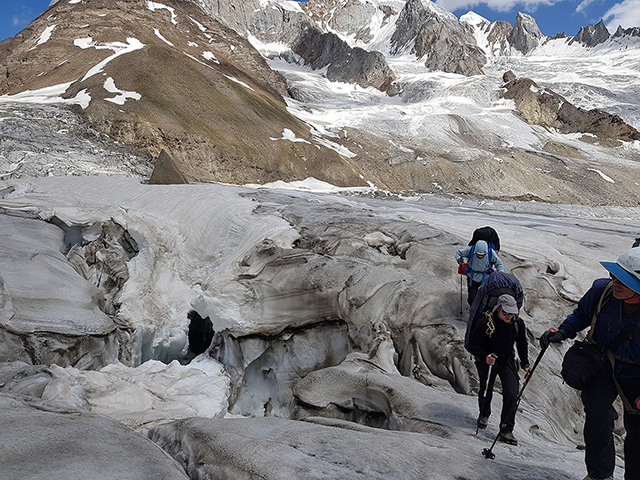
(480, 266)
(611, 321)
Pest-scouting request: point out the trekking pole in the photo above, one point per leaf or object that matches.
(460, 295)
(484, 396)
(488, 452)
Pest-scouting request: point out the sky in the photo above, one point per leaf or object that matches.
(552, 16)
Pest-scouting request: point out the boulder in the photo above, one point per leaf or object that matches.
(43, 440)
(166, 171)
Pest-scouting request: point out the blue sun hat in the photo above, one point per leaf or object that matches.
(627, 268)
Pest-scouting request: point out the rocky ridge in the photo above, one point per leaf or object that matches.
(541, 106)
(168, 77)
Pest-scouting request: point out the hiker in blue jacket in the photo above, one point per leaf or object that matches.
(617, 329)
(481, 260)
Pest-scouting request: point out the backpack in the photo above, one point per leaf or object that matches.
(496, 284)
(489, 235)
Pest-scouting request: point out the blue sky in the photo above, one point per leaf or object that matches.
(552, 16)
(17, 14)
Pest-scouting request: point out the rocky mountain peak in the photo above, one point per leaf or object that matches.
(627, 32)
(287, 23)
(592, 35)
(525, 35)
(446, 44)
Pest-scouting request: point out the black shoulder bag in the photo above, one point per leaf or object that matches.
(586, 359)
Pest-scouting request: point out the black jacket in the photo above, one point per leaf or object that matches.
(501, 341)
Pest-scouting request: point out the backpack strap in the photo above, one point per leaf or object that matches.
(484, 272)
(607, 292)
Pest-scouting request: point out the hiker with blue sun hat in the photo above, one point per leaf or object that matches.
(612, 308)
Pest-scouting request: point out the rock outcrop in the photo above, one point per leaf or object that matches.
(525, 35)
(166, 172)
(343, 63)
(291, 26)
(627, 32)
(447, 45)
(592, 35)
(541, 106)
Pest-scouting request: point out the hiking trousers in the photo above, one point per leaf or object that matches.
(510, 383)
(472, 291)
(600, 455)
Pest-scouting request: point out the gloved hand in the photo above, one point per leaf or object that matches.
(462, 268)
(551, 336)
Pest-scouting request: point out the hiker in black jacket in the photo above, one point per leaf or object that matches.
(491, 343)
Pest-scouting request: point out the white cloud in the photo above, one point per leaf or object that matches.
(583, 5)
(498, 5)
(626, 14)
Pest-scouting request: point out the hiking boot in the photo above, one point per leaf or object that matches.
(591, 478)
(483, 422)
(507, 437)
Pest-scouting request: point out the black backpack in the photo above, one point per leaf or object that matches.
(489, 235)
(496, 284)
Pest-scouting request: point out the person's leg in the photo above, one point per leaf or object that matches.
(485, 397)
(472, 290)
(631, 389)
(510, 383)
(598, 400)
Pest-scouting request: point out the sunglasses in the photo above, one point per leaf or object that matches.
(613, 277)
(480, 255)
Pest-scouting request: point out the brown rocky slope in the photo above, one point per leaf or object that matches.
(206, 96)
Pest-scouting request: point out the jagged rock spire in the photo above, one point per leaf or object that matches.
(525, 35)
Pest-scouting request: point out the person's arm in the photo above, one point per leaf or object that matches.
(462, 253)
(583, 314)
(521, 344)
(478, 334)
(497, 262)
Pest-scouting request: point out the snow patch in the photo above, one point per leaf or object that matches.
(153, 6)
(239, 82)
(122, 96)
(289, 135)
(210, 56)
(51, 94)
(309, 184)
(202, 28)
(118, 48)
(159, 35)
(199, 61)
(605, 177)
(45, 36)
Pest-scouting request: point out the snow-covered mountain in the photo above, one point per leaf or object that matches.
(386, 93)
